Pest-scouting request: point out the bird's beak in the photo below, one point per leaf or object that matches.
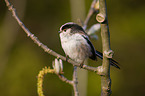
(59, 31)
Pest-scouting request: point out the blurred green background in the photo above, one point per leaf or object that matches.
(21, 59)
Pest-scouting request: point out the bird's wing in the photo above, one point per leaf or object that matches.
(93, 56)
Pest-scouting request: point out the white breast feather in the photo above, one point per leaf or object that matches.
(75, 46)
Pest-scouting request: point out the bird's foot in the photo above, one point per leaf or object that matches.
(66, 58)
(81, 65)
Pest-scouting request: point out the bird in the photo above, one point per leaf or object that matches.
(77, 46)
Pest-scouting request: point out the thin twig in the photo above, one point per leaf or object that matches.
(65, 79)
(44, 47)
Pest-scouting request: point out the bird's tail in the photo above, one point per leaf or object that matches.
(112, 62)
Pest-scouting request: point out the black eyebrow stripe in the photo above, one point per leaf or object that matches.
(73, 26)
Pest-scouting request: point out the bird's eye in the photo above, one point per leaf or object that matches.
(64, 30)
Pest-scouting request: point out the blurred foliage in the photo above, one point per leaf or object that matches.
(21, 59)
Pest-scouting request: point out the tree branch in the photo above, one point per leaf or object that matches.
(102, 18)
(64, 79)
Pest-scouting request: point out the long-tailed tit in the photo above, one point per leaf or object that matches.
(76, 44)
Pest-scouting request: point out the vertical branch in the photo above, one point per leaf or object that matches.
(75, 82)
(105, 79)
